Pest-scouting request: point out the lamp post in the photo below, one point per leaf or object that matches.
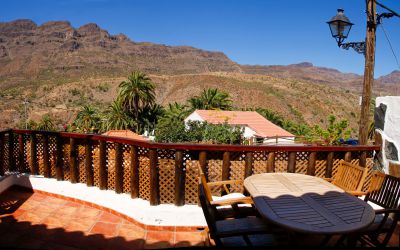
(340, 27)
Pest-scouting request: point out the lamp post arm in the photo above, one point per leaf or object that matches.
(358, 47)
(391, 11)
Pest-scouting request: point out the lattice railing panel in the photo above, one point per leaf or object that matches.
(369, 165)
(144, 177)
(166, 180)
(281, 162)
(336, 163)
(96, 165)
(52, 155)
(215, 174)
(39, 153)
(66, 165)
(301, 162)
(259, 167)
(126, 165)
(192, 181)
(23, 167)
(321, 164)
(81, 164)
(110, 166)
(237, 173)
(6, 155)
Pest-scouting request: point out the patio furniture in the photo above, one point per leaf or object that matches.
(307, 204)
(384, 193)
(350, 177)
(230, 205)
(247, 231)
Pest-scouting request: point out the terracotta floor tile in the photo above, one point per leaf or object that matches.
(52, 245)
(72, 204)
(49, 208)
(131, 232)
(95, 241)
(106, 229)
(18, 212)
(70, 239)
(110, 218)
(55, 222)
(27, 205)
(86, 212)
(31, 242)
(83, 225)
(159, 239)
(123, 244)
(34, 218)
(189, 239)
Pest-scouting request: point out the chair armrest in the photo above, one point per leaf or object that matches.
(384, 211)
(233, 201)
(219, 183)
(357, 193)
(327, 179)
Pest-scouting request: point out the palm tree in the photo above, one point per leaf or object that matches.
(211, 99)
(149, 116)
(136, 93)
(87, 119)
(115, 118)
(174, 113)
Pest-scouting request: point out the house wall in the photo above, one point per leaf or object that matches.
(387, 126)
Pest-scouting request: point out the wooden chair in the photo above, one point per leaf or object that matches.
(246, 231)
(383, 195)
(350, 178)
(384, 192)
(234, 205)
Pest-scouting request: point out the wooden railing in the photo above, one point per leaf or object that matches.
(160, 172)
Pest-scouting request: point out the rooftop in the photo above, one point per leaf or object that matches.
(252, 119)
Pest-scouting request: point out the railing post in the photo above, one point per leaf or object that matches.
(226, 163)
(11, 157)
(179, 179)
(73, 161)
(363, 159)
(88, 163)
(311, 163)
(154, 194)
(1, 154)
(59, 158)
(347, 156)
(46, 166)
(271, 162)
(119, 174)
(134, 172)
(329, 165)
(203, 162)
(102, 165)
(34, 160)
(291, 162)
(248, 164)
(21, 149)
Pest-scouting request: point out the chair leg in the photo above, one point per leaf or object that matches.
(340, 241)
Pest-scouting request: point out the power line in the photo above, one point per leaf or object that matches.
(390, 44)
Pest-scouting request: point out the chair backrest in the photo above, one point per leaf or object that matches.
(209, 211)
(384, 190)
(350, 177)
(203, 183)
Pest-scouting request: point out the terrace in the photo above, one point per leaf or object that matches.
(92, 191)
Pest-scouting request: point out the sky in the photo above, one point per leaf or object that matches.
(256, 32)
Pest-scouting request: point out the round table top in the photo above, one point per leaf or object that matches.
(307, 203)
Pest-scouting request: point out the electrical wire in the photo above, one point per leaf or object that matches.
(390, 44)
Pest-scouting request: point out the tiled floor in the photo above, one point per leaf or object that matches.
(38, 221)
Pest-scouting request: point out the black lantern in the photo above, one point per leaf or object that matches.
(340, 26)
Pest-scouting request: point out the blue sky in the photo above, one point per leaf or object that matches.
(260, 32)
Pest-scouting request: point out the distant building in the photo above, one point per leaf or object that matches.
(125, 134)
(257, 129)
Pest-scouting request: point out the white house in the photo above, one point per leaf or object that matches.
(256, 127)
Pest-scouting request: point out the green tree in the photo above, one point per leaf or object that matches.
(174, 112)
(211, 99)
(46, 123)
(335, 131)
(116, 118)
(149, 116)
(136, 93)
(87, 120)
(271, 116)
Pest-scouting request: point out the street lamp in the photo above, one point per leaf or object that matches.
(340, 27)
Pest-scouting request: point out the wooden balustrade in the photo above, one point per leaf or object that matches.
(139, 168)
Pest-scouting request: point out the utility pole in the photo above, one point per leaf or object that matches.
(368, 72)
(25, 102)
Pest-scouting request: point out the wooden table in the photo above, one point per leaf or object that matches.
(307, 204)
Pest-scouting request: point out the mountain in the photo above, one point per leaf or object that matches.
(58, 68)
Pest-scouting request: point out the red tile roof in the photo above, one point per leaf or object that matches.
(125, 134)
(252, 119)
